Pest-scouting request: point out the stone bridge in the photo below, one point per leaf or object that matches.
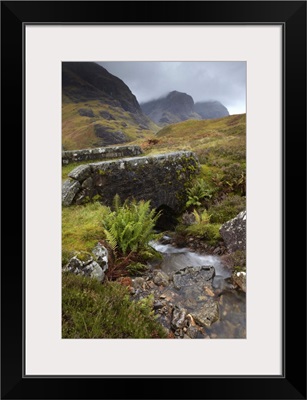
(161, 178)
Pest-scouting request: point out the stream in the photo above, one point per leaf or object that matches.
(221, 294)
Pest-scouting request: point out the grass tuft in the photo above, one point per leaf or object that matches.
(82, 227)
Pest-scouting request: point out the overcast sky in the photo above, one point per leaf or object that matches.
(222, 81)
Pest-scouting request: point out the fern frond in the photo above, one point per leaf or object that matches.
(197, 217)
(111, 239)
(116, 202)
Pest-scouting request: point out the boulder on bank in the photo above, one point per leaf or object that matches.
(233, 233)
(101, 256)
(92, 265)
(239, 278)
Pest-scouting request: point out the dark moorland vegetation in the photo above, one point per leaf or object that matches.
(92, 310)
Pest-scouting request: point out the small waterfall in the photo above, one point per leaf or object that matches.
(177, 258)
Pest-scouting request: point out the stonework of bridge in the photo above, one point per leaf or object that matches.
(100, 153)
(161, 178)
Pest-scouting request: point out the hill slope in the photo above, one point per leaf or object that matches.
(218, 143)
(211, 109)
(98, 108)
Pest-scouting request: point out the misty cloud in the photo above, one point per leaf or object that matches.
(222, 81)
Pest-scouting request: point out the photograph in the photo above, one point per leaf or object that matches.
(154, 164)
(154, 200)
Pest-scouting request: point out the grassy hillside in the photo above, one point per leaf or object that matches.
(217, 142)
(79, 132)
(98, 109)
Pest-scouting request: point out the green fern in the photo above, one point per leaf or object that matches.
(130, 227)
(201, 218)
(200, 190)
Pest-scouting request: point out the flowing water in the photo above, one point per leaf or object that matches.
(231, 302)
(175, 259)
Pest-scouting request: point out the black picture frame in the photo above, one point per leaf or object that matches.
(292, 16)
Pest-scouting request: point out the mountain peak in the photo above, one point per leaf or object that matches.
(174, 107)
(90, 81)
(174, 93)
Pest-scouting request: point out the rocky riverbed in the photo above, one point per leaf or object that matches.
(195, 295)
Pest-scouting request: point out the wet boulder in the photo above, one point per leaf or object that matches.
(207, 313)
(161, 278)
(193, 276)
(178, 317)
(193, 332)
